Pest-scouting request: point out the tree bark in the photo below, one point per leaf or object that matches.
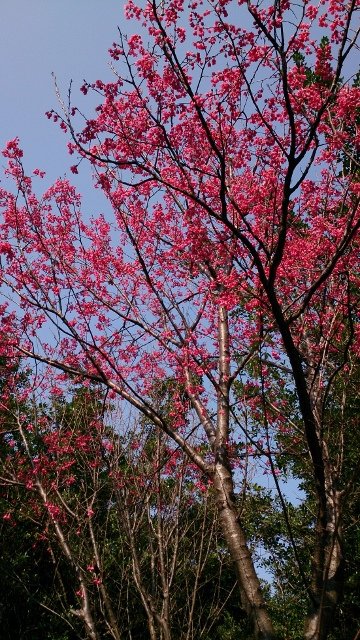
(251, 595)
(252, 598)
(328, 573)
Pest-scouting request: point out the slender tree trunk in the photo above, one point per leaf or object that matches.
(144, 595)
(252, 598)
(164, 619)
(328, 573)
(327, 563)
(84, 612)
(327, 566)
(109, 614)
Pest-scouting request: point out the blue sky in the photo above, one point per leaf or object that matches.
(37, 37)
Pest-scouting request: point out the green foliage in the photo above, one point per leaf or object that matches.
(37, 584)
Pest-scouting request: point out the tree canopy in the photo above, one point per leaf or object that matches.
(218, 301)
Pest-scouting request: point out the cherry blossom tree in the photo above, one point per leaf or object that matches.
(227, 148)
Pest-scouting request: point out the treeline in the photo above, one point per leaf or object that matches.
(109, 531)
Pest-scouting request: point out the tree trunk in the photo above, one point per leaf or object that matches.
(328, 573)
(252, 598)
